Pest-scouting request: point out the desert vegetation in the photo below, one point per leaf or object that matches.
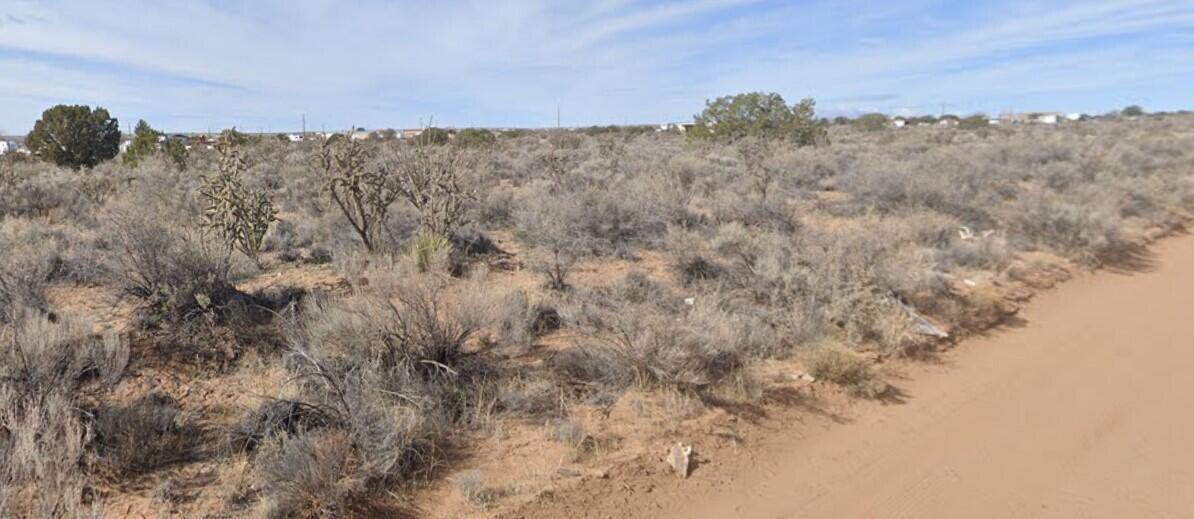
(315, 329)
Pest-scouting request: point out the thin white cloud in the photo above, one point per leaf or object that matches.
(511, 62)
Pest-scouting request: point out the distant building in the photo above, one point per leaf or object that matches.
(1032, 118)
(125, 145)
(673, 127)
(360, 135)
(410, 134)
(7, 147)
(898, 122)
(295, 137)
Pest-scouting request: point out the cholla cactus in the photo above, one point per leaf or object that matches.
(431, 179)
(239, 215)
(363, 194)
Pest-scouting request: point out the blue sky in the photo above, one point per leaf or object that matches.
(259, 65)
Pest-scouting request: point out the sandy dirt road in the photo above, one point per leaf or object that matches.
(1083, 409)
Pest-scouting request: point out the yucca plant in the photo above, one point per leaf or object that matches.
(429, 249)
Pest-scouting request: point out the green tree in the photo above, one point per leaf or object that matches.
(1132, 111)
(75, 136)
(433, 136)
(176, 151)
(974, 122)
(872, 122)
(145, 143)
(475, 137)
(757, 114)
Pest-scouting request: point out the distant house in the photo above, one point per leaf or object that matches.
(125, 144)
(295, 137)
(409, 134)
(7, 147)
(673, 127)
(360, 135)
(1032, 118)
(898, 122)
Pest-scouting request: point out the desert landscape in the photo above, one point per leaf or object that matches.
(486, 326)
(532, 259)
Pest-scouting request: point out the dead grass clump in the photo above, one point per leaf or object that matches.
(176, 275)
(381, 384)
(845, 368)
(143, 436)
(652, 351)
(309, 475)
(473, 487)
(696, 269)
(43, 437)
(272, 418)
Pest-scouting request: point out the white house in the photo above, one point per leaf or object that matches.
(672, 127)
(898, 122)
(1048, 118)
(360, 135)
(1075, 116)
(7, 147)
(295, 137)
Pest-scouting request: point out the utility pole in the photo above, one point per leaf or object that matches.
(304, 125)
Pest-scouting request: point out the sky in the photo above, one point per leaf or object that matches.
(261, 65)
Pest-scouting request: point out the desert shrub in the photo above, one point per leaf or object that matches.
(43, 445)
(694, 269)
(1089, 231)
(532, 396)
(872, 122)
(516, 318)
(632, 345)
(391, 378)
(43, 437)
(42, 355)
(433, 137)
(177, 275)
(554, 266)
(143, 436)
(309, 475)
(844, 368)
(272, 418)
(990, 252)
(472, 485)
(25, 269)
(476, 137)
(974, 122)
(599, 221)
